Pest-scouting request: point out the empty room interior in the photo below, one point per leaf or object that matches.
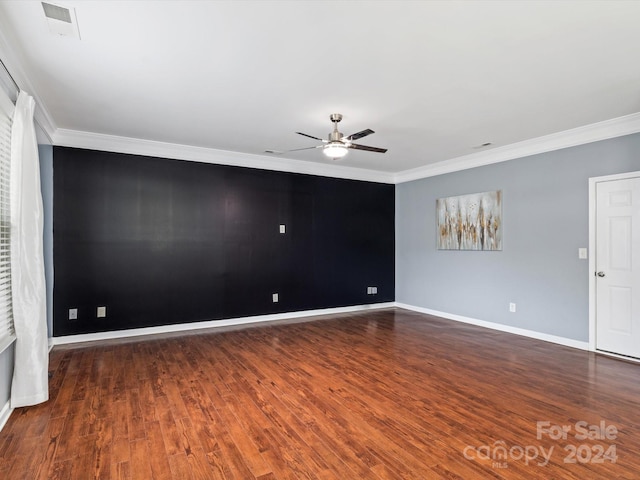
(319, 240)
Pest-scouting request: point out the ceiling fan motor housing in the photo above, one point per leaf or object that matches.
(335, 136)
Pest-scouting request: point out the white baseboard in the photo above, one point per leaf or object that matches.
(567, 342)
(616, 356)
(5, 413)
(183, 327)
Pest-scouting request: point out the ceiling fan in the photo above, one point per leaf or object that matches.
(337, 145)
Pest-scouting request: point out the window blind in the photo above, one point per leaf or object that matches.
(6, 310)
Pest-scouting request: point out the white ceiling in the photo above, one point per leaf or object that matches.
(433, 79)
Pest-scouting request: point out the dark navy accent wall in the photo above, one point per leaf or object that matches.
(161, 241)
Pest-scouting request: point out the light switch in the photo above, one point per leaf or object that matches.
(582, 253)
(282, 229)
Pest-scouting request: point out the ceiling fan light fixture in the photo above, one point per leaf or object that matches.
(337, 145)
(335, 150)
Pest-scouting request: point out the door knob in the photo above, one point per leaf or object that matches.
(600, 274)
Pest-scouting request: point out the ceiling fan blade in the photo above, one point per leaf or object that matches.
(310, 136)
(361, 134)
(368, 149)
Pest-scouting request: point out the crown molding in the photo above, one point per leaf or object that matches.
(43, 118)
(151, 148)
(604, 130)
(616, 127)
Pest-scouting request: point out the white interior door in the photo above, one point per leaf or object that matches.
(618, 266)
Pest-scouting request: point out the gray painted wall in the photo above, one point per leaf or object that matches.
(545, 218)
(6, 374)
(46, 186)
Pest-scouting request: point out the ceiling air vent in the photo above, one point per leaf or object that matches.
(56, 13)
(61, 20)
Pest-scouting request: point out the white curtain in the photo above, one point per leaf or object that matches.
(30, 375)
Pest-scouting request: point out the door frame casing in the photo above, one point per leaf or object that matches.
(593, 181)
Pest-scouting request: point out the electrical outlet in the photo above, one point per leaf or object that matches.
(275, 298)
(582, 253)
(73, 314)
(101, 312)
(283, 229)
(512, 307)
(372, 290)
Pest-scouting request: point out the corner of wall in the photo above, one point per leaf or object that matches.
(46, 187)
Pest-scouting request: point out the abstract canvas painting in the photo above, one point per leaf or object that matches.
(470, 222)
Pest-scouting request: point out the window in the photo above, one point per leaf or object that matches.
(6, 311)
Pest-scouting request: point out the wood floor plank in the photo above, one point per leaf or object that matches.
(135, 420)
(46, 460)
(62, 470)
(24, 464)
(252, 453)
(160, 467)
(140, 459)
(385, 394)
(62, 400)
(180, 469)
(170, 431)
(119, 413)
(120, 450)
(121, 471)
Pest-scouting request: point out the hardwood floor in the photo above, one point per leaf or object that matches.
(386, 394)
